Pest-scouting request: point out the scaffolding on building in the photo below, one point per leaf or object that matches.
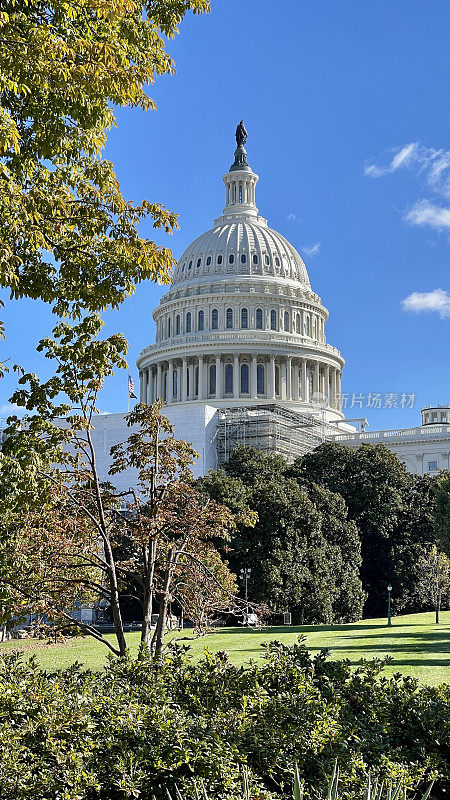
(272, 428)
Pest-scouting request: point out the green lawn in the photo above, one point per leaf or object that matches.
(418, 646)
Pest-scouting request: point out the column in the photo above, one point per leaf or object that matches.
(218, 377)
(316, 390)
(304, 381)
(184, 380)
(149, 393)
(339, 391)
(254, 378)
(295, 394)
(333, 388)
(170, 382)
(158, 381)
(141, 387)
(236, 376)
(327, 385)
(200, 378)
(289, 378)
(191, 381)
(271, 379)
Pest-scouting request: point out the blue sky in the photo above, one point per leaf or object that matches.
(346, 106)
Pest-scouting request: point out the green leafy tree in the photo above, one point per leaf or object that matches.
(67, 234)
(391, 509)
(303, 551)
(434, 572)
(441, 489)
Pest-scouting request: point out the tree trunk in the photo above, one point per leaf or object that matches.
(438, 608)
(158, 636)
(147, 602)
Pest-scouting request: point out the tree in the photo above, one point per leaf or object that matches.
(73, 533)
(390, 507)
(434, 571)
(67, 234)
(441, 489)
(303, 551)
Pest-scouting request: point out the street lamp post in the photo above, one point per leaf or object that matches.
(389, 588)
(245, 574)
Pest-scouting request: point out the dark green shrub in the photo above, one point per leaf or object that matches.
(142, 728)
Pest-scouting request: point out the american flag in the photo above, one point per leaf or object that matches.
(131, 393)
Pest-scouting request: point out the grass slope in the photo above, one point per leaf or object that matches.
(418, 646)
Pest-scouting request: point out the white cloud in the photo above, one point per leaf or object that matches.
(425, 213)
(436, 300)
(291, 217)
(10, 408)
(402, 158)
(311, 250)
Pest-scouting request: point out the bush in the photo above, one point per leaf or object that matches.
(143, 728)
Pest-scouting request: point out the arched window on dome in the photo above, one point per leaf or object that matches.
(244, 318)
(229, 318)
(308, 325)
(199, 261)
(266, 260)
(214, 319)
(188, 322)
(201, 321)
(231, 258)
(297, 323)
(255, 258)
(212, 379)
(219, 259)
(190, 265)
(178, 325)
(273, 320)
(277, 261)
(240, 192)
(208, 261)
(314, 328)
(277, 379)
(286, 320)
(259, 319)
(175, 385)
(243, 258)
(244, 379)
(260, 382)
(169, 328)
(229, 379)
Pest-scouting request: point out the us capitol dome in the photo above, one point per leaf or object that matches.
(240, 336)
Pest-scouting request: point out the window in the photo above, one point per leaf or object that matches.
(229, 322)
(182, 268)
(231, 258)
(308, 326)
(273, 320)
(244, 318)
(190, 265)
(266, 260)
(212, 379)
(199, 261)
(277, 261)
(244, 378)
(228, 379)
(432, 466)
(243, 258)
(219, 259)
(297, 323)
(175, 384)
(443, 417)
(259, 319)
(214, 319)
(188, 322)
(277, 379)
(255, 259)
(208, 261)
(286, 320)
(260, 379)
(201, 320)
(169, 327)
(178, 325)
